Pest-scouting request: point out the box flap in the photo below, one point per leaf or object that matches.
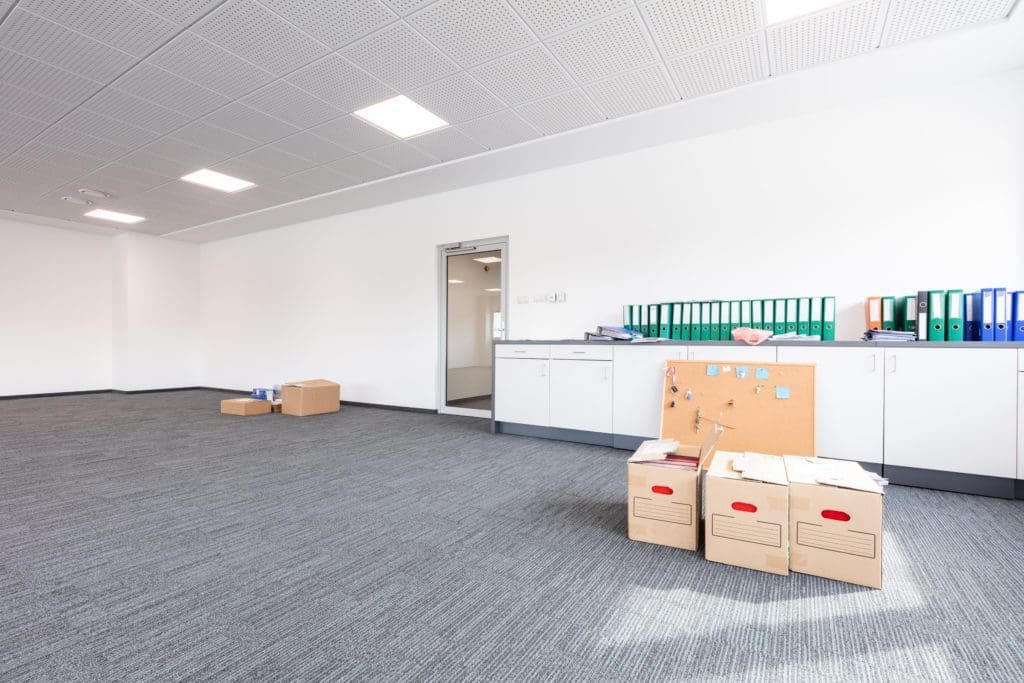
(654, 449)
(311, 383)
(770, 469)
(845, 474)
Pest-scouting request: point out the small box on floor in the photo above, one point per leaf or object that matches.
(310, 397)
(244, 406)
(664, 492)
(835, 523)
(746, 512)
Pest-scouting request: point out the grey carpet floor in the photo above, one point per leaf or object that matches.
(148, 537)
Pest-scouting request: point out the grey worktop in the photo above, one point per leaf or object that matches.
(770, 342)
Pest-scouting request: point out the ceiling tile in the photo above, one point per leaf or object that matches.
(360, 168)
(351, 133)
(286, 102)
(911, 19)
(91, 123)
(400, 156)
(604, 48)
(499, 130)
(238, 118)
(206, 135)
(256, 34)
(181, 12)
(271, 157)
(120, 179)
(51, 161)
(398, 56)
(631, 92)
(560, 113)
(148, 161)
(164, 88)
(311, 147)
(457, 99)
(548, 17)
(523, 76)
(124, 107)
(448, 144)
(823, 37)
(720, 67)
(29, 104)
(65, 138)
(20, 126)
(337, 81)
(11, 143)
(335, 23)
(247, 170)
(318, 181)
(405, 7)
(192, 156)
(211, 66)
(48, 42)
(31, 74)
(683, 26)
(472, 31)
(117, 23)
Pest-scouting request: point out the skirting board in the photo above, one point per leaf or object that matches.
(956, 482)
(555, 433)
(1020, 489)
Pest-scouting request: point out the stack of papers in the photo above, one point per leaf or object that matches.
(889, 336)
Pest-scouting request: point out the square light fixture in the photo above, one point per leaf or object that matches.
(401, 117)
(115, 216)
(778, 11)
(217, 181)
(495, 289)
(455, 282)
(488, 259)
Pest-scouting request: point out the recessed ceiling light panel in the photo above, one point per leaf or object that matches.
(217, 181)
(115, 216)
(401, 117)
(778, 11)
(488, 259)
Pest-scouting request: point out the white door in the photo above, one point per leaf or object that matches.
(750, 354)
(849, 399)
(522, 391)
(952, 410)
(581, 395)
(639, 372)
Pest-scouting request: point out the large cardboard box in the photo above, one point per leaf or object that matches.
(746, 517)
(310, 397)
(664, 493)
(835, 520)
(244, 406)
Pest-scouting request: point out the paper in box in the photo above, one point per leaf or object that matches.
(835, 524)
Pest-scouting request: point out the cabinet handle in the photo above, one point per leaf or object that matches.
(607, 373)
(543, 370)
(874, 363)
(892, 364)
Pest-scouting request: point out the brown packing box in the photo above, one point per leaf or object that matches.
(664, 495)
(244, 406)
(835, 520)
(310, 397)
(746, 513)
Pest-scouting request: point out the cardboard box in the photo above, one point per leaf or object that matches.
(835, 521)
(310, 397)
(244, 406)
(664, 493)
(746, 513)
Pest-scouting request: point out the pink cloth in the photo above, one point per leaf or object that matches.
(750, 335)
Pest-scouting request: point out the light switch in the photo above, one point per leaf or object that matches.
(560, 296)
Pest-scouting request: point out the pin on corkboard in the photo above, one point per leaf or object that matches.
(763, 407)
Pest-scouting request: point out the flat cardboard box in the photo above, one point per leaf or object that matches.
(664, 494)
(746, 517)
(310, 397)
(244, 406)
(835, 520)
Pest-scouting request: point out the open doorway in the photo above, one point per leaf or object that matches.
(473, 279)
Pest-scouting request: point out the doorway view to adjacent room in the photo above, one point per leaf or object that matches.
(473, 319)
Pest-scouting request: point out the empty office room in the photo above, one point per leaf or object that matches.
(511, 340)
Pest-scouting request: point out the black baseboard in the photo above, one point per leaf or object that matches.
(14, 397)
(1020, 490)
(956, 482)
(556, 433)
(385, 406)
(153, 391)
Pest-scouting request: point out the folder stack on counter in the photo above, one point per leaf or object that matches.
(797, 318)
(991, 315)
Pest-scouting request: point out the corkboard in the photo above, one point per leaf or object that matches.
(753, 410)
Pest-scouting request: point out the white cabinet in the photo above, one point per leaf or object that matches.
(952, 409)
(581, 395)
(849, 399)
(749, 354)
(639, 382)
(521, 391)
(1020, 424)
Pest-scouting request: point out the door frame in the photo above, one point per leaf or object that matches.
(500, 244)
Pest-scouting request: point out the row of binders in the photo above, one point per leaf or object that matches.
(813, 316)
(993, 315)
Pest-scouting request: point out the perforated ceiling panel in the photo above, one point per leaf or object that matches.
(499, 130)
(210, 66)
(548, 17)
(456, 99)
(309, 146)
(286, 102)
(825, 36)
(910, 19)
(206, 135)
(447, 144)
(400, 157)
(604, 48)
(316, 181)
(340, 83)
(472, 31)
(681, 26)
(44, 79)
(398, 56)
(91, 123)
(192, 156)
(720, 67)
(404, 7)
(526, 75)
(361, 168)
(562, 112)
(65, 138)
(130, 109)
(253, 124)
(30, 104)
(351, 133)
(164, 88)
(123, 25)
(632, 92)
(335, 23)
(181, 12)
(271, 157)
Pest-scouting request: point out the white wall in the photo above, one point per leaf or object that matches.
(155, 313)
(55, 313)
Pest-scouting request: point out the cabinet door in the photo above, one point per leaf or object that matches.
(952, 410)
(639, 382)
(521, 391)
(581, 395)
(849, 392)
(1020, 424)
(750, 354)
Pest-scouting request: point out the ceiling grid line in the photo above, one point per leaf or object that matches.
(658, 50)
